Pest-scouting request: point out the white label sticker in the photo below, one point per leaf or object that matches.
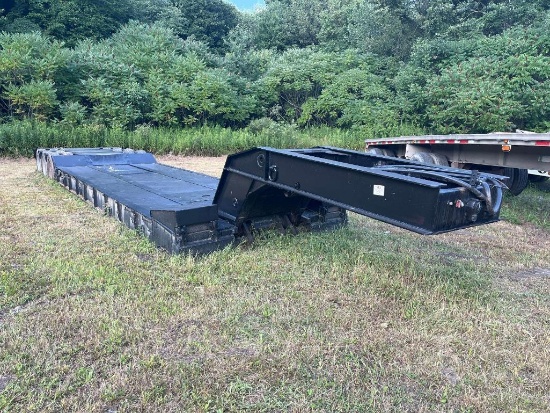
(378, 190)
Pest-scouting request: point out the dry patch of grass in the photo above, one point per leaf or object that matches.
(367, 318)
(209, 165)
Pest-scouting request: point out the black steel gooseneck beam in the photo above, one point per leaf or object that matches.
(417, 197)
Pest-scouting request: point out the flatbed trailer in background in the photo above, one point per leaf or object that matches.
(519, 156)
(262, 188)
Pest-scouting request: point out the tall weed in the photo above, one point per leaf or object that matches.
(21, 138)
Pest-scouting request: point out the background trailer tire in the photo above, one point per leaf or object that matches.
(439, 159)
(519, 179)
(423, 157)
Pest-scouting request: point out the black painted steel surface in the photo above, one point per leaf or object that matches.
(172, 206)
(403, 193)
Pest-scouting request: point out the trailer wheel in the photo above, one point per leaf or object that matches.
(422, 157)
(439, 159)
(519, 178)
(374, 151)
(381, 151)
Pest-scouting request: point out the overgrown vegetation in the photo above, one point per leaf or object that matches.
(379, 66)
(22, 138)
(368, 318)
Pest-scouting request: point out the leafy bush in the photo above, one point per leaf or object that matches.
(146, 74)
(313, 87)
(480, 84)
(484, 95)
(355, 97)
(31, 66)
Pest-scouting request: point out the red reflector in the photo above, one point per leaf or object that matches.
(542, 143)
(464, 141)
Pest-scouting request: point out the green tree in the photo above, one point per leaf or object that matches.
(355, 97)
(283, 24)
(380, 30)
(481, 83)
(145, 73)
(334, 33)
(293, 78)
(311, 86)
(36, 99)
(486, 94)
(33, 74)
(70, 20)
(207, 21)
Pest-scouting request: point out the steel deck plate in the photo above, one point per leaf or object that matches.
(145, 188)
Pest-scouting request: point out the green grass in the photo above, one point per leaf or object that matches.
(532, 205)
(22, 138)
(367, 318)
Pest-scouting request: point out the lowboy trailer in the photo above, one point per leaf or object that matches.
(519, 156)
(292, 189)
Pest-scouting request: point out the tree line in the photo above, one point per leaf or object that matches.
(441, 66)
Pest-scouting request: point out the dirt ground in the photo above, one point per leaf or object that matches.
(209, 165)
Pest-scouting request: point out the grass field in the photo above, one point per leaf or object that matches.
(369, 318)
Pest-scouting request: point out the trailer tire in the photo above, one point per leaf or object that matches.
(374, 151)
(381, 151)
(422, 157)
(439, 159)
(519, 178)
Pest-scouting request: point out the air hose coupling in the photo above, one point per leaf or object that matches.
(473, 208)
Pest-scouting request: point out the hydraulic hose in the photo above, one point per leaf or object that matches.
(492, 207)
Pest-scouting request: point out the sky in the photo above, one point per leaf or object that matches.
(247, 5)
